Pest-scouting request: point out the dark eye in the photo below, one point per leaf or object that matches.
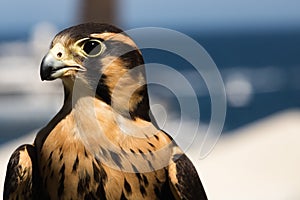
(92, 47)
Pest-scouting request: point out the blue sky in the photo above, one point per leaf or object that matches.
(211, 13)
(23, 15)
(20, 15)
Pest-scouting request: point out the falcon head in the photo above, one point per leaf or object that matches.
(102, 59)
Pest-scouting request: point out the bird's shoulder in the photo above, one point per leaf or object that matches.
(183, 177)
(19, 175)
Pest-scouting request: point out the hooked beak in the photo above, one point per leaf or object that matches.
(53, 68)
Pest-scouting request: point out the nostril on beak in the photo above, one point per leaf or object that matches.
(59, 54)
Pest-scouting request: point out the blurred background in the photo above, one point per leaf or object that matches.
(255, 45)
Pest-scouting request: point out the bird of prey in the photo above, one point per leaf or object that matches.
(103, 143)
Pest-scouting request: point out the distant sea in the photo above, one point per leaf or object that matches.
(269, 61)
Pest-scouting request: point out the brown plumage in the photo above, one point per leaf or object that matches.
(102, 144)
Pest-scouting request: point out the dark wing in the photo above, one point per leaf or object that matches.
(19, 175)
(184, 180)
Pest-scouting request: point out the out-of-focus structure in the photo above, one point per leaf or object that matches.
(98, 11)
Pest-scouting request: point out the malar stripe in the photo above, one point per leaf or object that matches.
(103, 91)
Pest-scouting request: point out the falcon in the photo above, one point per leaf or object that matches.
(104, 142)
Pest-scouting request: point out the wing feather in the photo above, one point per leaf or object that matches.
(19, 174)
(184, 180)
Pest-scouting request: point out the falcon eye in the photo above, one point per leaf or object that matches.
(92, 47)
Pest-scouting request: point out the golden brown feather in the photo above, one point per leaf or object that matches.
(102, 143)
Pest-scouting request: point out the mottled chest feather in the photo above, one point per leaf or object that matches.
(70, 171)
